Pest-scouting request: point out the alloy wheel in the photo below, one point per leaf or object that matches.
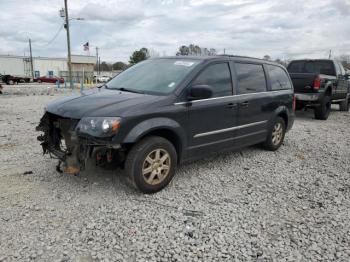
(156, 166)
(277, 134)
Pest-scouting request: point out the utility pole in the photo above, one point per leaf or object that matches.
(31, 58)
(68, 45)
(97, 60)
(330, 54)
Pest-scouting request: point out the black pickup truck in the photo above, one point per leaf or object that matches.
(319, 83)
(11, 80)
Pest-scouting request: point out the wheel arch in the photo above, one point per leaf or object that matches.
(328, 89)
(163, 127)
(284, 116)
(282, 112)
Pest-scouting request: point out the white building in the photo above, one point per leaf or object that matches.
(46, 66)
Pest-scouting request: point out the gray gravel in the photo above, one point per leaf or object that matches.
(40, 89)
(251, 205)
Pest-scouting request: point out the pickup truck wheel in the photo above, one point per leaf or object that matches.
(345, 105)
(151, 164)
(11, 82)
(322, 111)
(275, 135)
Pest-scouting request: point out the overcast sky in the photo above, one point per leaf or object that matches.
(281, 29)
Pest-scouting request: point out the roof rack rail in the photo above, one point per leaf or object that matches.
(241, 56)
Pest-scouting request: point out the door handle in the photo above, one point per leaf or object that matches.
(244, 104)
(232, 105)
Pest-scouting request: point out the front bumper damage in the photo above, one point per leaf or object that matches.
(61, 141)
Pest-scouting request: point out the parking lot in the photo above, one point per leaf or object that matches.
(250, 205)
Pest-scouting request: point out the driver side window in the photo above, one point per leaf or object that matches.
(217, 76)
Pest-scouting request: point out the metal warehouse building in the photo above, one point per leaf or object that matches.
(46, 66)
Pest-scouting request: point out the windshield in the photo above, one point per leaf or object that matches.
(314, 67)
(160, 76)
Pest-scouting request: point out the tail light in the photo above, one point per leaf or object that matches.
(317, 83)
(294, 102)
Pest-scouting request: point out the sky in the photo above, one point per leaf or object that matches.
(278, 28)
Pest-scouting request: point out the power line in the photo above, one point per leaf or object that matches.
(53, 38)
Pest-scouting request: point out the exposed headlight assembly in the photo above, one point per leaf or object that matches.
(99, 126)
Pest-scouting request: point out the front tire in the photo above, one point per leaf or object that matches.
(323, 110)
(345, 105)
(151, 164)
(275, 135)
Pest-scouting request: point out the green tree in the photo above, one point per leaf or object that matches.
(119, 66)
(279, 61)
(104, 66)
(139, 55)
(195, 50)
(267, 57)
(183, 50)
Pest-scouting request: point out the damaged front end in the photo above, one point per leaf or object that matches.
(62, 140)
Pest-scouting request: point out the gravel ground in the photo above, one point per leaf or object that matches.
(39, 89)
(251, 205)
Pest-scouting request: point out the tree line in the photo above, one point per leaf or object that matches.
(190, 50)
(145, 53)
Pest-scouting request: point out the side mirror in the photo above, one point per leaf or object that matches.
(200, 92)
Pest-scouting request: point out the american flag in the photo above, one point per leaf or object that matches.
(86, 46)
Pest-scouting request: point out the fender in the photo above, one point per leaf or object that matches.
(153, 124)
(331, 86)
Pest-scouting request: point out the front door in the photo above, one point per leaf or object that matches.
(212, 121)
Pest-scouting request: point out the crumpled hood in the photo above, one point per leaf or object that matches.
(98, 102)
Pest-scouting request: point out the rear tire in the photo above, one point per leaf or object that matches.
(345, 105)
(322, 111)
(275, 135)
(151, 164)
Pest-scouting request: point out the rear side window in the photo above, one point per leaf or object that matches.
(278, 78)
(251, 78)
(313, 67)
(217, 76)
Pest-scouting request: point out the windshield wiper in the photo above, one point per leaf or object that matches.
(104, 85)
(129, 90)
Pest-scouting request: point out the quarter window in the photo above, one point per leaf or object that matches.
(278, 78)
(217, 76)
(251, 78)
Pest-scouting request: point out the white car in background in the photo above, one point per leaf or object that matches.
(103, 79)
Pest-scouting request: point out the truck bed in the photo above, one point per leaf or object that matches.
(303, 82)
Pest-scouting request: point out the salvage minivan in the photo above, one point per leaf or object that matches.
(164, 111)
